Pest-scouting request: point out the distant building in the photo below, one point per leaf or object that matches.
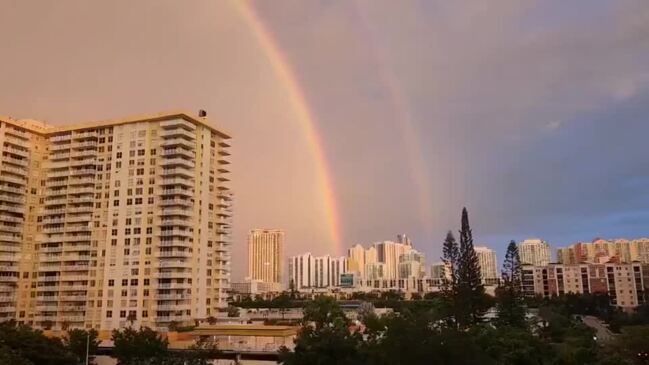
(412, 265)
(266, 255)
(534, 252)
(488, 265)
(308, 272)
(602, 251)
(388, 253)
(626, 284)
(356, 259)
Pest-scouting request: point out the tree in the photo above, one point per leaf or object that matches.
(136, 346)
(211, 320)
(79, 340)
(325, 337)
(232, 311)
(20, 344)
(511, 311)
(450, 258)
(470, 298)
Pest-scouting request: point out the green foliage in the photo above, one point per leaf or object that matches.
(135, 346)
(325, 337)
(20, 344)
(233, 311)
(509, 296)
(78, 340)
(470, 300)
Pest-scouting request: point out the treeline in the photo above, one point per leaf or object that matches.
(452, 328)
(23, 345)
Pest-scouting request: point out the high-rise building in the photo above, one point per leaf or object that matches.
(412, 264)
(602, 251)
(266, 255)
(308, 272)
(625, 284)
(388, 253)
(356, 260)
(404, 239)
(488, 265)
(114, 221)
(534, 252)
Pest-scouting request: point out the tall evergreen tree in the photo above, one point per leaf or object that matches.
(511, 311)
(450, 257)
(471, 302)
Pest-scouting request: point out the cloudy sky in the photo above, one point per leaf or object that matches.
(533, 114)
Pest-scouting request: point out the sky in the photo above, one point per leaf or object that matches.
(354, 121)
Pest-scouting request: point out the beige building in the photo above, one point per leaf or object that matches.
(625, 284)
(266, 255)
(602, 251)
(488, 265)
(534, 252)
(114, 221)
(356, 259)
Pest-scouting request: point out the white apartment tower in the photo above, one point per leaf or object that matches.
(266, 255)
(534, 252)
(488, 265)
(117, 221)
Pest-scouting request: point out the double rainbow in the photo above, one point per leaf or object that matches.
(301, 108)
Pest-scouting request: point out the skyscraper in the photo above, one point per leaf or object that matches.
(356, 259)
(488, 265)
(534, 252)
(111, 221)
(388, 253)
(266, 255)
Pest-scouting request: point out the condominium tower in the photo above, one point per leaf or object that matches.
(488, 264)
(534, 252)
(266, 255)
(109, 222)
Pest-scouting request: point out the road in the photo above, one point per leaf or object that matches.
(603, 333)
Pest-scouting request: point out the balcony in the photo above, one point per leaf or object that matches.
(59, 156)
(83, 162)
(56, 183)
(16, 141)
(7, 309)
(21, 152)
(78, 228)
(176, 222)
(60, 138)
(82, 181)
(11, 229)
(56, 201)
(176, 202)
(172, 296)
(177, 123)
(177, 161)
(60, 146)
(175, 142)
(75, 267)
(84, 153)
(173, 307)
(86, 144)
(178, 133)
(20, 171)
(73, 298)
(12, 199)
(173, 254)
(177, 191)
(174, 274)
(177, 181)
(10, 238)
(78, 218)
(176, 233)
(80, 191)
(178, 152)
(13, 179)
(50, 249)
(11, 189)
(48, 279)
(174, 264)
(174, 286)
(82, 172)
(175, 212)
(8, 279)
(85, 135)
(178, 171)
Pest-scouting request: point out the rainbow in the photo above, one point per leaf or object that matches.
(403, 121)
(301, 108)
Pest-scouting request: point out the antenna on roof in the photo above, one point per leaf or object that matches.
(202, 113)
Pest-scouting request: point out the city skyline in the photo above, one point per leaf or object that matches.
(351, 126)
